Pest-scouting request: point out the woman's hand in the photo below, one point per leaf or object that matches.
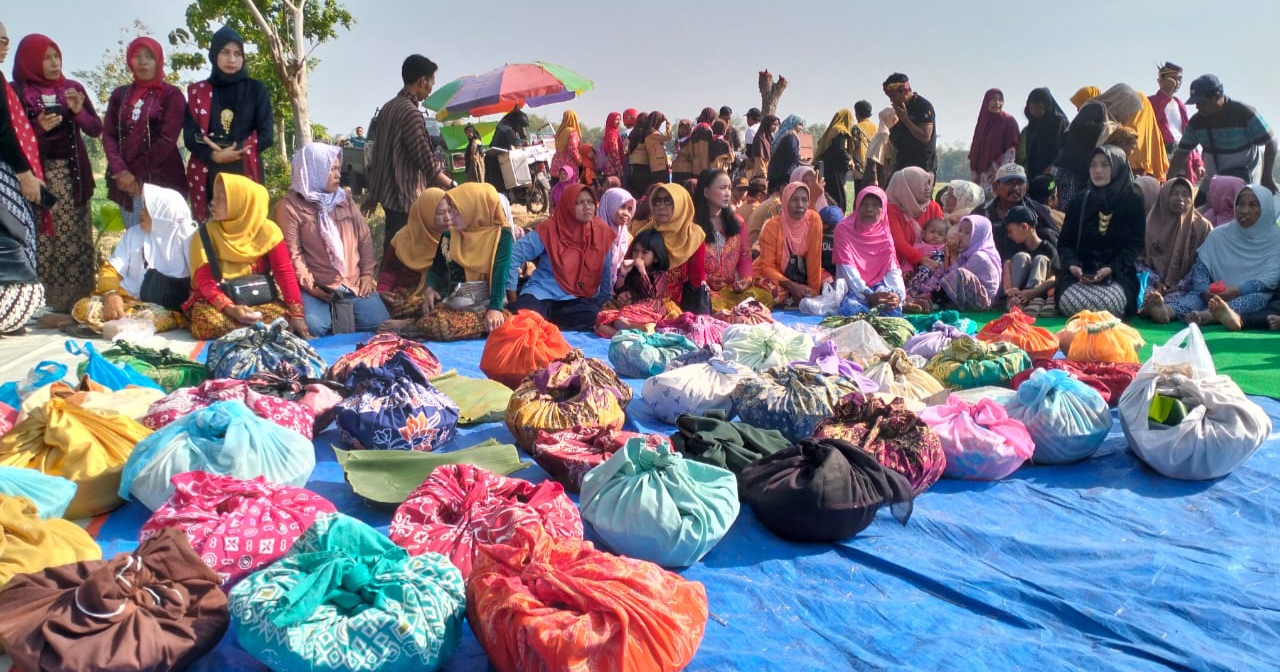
(112, 307)
(1102, 274)
(75, 100)
(366, 286)
(48, 122)
(798, 290)
(429, 298)
(243, 314)
(1077, 272)
(224, 155)
(29, 185)
(127, 183)
(493, 319)
(298, 326)
(886, 299)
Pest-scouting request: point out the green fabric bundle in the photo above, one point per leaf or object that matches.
(168, 369)
(968, 363)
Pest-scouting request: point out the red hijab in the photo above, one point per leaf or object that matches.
(612, 143)
(28, 67)
(994, 134)
(576, 250)
(155, 49)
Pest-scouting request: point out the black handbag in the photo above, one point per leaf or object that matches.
(163, 290)
(250, 290)
(15, 265)
(695, 299)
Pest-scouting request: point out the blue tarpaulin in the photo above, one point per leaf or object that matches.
(1100, 565)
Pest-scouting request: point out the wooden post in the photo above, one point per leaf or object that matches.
(770, 92)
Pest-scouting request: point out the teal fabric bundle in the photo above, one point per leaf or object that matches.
(640, 354)
(347, 599)
(967, 363)
(50, 494)
(654, 505)
(925, 322)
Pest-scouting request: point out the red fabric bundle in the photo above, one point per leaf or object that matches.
(701, 329)
(523, 344)
(1110, 379)
(237, 527)
(542, 603)
(288, 414)
(461, 505)
(378, 351)
(1016, 327)
(569, 454)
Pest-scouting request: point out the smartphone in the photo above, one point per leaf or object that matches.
(47, 198)
(821, 168)
(53, 109)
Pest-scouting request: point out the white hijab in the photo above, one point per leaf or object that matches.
(1236, 255)
(968, 197)
(164, 248)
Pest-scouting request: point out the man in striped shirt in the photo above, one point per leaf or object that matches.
(403, 163)
(1231, 134)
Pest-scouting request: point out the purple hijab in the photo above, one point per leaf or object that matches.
(981, 256)
(610, 201)
(562, 185)
(311, 166)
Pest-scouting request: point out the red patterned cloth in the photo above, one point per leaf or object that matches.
(701, 329)
(30, 149)
(461, 505)
(569, 454)
(199, 104)
(8, 418)
(288, 414)
(1110, 379)
(379, 350)
(237, 527)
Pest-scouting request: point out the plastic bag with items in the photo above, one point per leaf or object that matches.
(1067, 419)
(981, 441)
(762, 346)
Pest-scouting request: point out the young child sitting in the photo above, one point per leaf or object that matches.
(1031, 273)
(920, 284)
(642, 282)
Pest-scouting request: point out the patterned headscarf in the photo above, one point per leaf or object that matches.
(311, 166)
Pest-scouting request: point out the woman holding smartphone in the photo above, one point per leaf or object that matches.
(228, 124)
(59, 110)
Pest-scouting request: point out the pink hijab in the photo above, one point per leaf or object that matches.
(868, 248)
(1222, 199)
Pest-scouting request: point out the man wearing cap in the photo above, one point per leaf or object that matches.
(1011, 191)
(1171, 116)
(914, 142)
(753, 125)
(1230, 133)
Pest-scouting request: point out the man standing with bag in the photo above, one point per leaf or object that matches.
(403, 162)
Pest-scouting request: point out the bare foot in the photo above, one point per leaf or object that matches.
(1200, 317)
(1222, 313)
(1154, 309)
(54, 321)
(1273, 322)
(393, 326)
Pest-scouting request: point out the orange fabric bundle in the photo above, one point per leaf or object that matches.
(1100, 337)
(1016, 327)
(541, 603)
(523, 344)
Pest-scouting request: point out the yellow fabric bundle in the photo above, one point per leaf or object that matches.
(132, 401)
(557, 399)
(87, 446)
(29, 544)
(1100, 337)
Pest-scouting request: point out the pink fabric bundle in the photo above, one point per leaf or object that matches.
(237, 527)
(701, 329)
(569, 454)
(287, 414)
(981, 441)
(460, 506)
(322, 400)
(8, 418)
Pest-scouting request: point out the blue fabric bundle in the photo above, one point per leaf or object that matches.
(51, 494)
(1067, 419)
(248, 350)
(395, 407)
(641, 354)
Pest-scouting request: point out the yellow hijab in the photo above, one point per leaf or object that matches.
(1149, 157)
(475, 247)
(568, 124)
(842, 123)
(681, 235)
(1084, 95)
(416, 244)
(245, 236)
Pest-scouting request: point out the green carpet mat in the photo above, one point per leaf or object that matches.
(1251, 358)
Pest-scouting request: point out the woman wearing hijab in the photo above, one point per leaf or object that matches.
(564, 178)
(865, 258)
(141, 131)
(60, 110)
(729, 270)
(719, 151)
(21, 293)
(972, 282)
(1083, 95)
(671, 214)
(1221, 208)
(245, 243)
(617, 208)
(638, 157)
(571, 252)
(1086, 132)
(995, 140)
(1041, 140)
(615, 158)
(835, 151)
(329, 243)
(1102, 240)
(229, 122)
(1131, 109)
(1174, 231)
(784, 156)
(811, 179)
(911, 206)
(963, 197)
(568, 145)
(159, 244)
(1236, 272)
(791, 248)
(761, 148)
(412, 252)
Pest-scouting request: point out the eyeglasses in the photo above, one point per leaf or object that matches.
(659, 201)
(4, 41)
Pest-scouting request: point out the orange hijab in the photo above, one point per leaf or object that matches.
(576, 250)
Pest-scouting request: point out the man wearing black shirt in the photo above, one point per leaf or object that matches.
(913, 138)
(1011, 190)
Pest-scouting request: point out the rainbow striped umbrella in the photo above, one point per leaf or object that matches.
(506, 88)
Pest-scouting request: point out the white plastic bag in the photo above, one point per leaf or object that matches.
(826, 304)
(1186, 349)
(763, 346)
(860, 342)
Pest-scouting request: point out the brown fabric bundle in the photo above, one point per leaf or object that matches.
(159, 608)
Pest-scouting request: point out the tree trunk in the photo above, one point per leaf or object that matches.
(770, 92)
(282, 140)
(301, 110)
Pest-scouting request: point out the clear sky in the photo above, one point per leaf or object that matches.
(679, 57)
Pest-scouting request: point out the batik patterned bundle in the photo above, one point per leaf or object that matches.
(792, 400)
(288, 414)
(892, 434)
(967, 363)
(395, 407)
(248, 350)
(168, 369)
(569, 454)
(749, 311)
(641, 354)
(379, 350)
(565, 395)
(894, 330)
(703, 330)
